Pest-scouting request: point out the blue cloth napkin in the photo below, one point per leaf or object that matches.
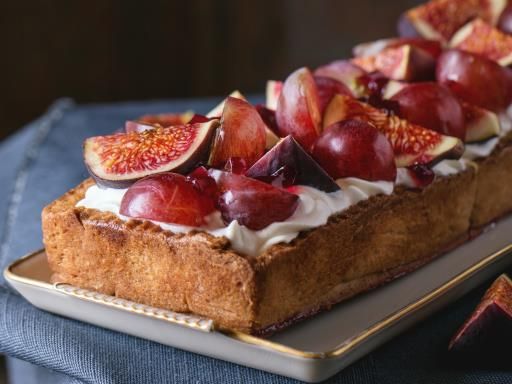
(44, 160)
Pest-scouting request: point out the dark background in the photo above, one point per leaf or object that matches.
(113, 50)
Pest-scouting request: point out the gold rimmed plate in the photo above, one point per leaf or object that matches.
(310, 351)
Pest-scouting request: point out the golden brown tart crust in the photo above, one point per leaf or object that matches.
(367, 245)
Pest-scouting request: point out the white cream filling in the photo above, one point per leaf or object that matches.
(314, 209)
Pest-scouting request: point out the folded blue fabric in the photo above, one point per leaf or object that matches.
(44, 160)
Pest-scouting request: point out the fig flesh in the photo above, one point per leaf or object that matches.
(289, 164)
(119, 160)
(412, 144)
(373, 48)
(483, 39)
(405, 62)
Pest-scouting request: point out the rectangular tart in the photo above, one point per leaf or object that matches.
(370, 243)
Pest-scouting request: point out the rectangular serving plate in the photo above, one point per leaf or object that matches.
(311, 351)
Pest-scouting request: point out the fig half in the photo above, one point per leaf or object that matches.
(481, 124)
(412, 144)
(118, 160)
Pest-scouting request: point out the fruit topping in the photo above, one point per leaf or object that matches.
(440, 19)
(200, 119)
(433, 47)
(217, 111)
(289, 164)
(148, 122)
(481, 124)
(483, 39)
(488, 329)
(253, 203)
(166, 197)
(298, 108)
(167, 119)
(236, 165)
(376, 85)
(241, 134)
(406, 62)
(346, 73)
(505, 21)
(354, 148)
(421, 175)
(206, 185)
(269, 118)
(392, 88)
(273, 91)
(120, 159)
(475, 79)
(412, 144)
(432, 106)
(328, 87)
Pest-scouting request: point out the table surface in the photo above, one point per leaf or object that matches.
(44, 160)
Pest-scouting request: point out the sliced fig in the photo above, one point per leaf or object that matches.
(217, 111)
(328, 87)
(298, 108)
(273, 91)
(406, 63)
(483, 39)
(289, 164)
(119, 160)
(476, 79)
(488, 329)
(392, 88)
(345, 72)
(412, 144)
(432, 106)
(253, 203)
(241, 134)
(373, 48)
(440, 19)
(169, 198)
(481, 124)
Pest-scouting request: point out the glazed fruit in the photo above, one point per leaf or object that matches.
(217, 111)
(433, 47)
(345, 72)
(354, 148)
(421, 175)
(440, 19)
(119, 160)
(241, 134)
(298, 108)
(483, 39)
(432, 106)
(475, 79)
(505, 22)
(405, 62)
(488, 329)
(328, 87)
(289, 164)
(481, 124)
(166, 197)
(269, 118)
(253, 203)
(412, 144)
(273, 90)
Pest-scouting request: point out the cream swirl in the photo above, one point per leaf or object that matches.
(314, 209)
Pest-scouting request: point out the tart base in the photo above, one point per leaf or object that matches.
(370, 243)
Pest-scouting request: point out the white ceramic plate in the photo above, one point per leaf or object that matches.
(312, 350)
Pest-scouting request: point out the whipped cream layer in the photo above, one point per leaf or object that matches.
(484, 149)
(314, 209)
